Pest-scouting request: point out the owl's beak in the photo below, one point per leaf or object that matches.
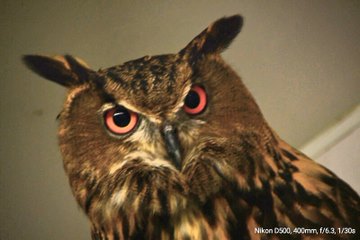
(172, 144)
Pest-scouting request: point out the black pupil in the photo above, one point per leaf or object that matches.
(121, 117)
(192, 100)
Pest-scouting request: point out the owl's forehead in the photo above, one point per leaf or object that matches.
(154, 84)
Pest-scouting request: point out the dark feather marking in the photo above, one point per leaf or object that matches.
(270, 149)
(124, 223)
(144, 85)
(292, 168)
(289, 155)
(134, 82)
(116, 235)
(179, 187)
(107, 97)
(333, 206)
(285, 174)
(172, 73)
(140, 184)
(139, 82)
(98, 80)
(147, 198)
(209, 212)
(277, 156)
(162, 196)
(157, 81)
(93, 190)
(162, 220)
(330, 179)
(82, 72)
(170, 88)
(266, 205)
(115, 76)
(172, 76)
(351, 201)
(233, 229)
(285, 193)
(288, 197)
(305, 196)
(237, 228)
(138, 235)
(157, 70)
(267, 170)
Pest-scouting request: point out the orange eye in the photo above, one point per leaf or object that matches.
(120, 120)
(195, 101)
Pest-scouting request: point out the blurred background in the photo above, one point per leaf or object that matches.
(300, 59)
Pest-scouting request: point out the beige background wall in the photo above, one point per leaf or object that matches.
(299, 58)
(345, 153)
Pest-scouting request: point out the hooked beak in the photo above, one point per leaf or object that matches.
(172, 144)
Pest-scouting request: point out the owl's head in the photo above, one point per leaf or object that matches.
(160, 109)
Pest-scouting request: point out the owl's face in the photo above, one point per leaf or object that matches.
(157, 121)
(148, 108)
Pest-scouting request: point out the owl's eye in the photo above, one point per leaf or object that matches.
(120, 120)
(195, 101)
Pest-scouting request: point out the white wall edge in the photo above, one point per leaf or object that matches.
(325, 140)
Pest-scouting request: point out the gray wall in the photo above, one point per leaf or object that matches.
(299, 58)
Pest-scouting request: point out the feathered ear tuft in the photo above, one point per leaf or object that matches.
(64, 70)
(216, 38)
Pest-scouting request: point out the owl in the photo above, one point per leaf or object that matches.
(175, 147)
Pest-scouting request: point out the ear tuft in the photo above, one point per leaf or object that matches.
(79, 68)
(64, 70)
(216, 38)
(221, 33)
